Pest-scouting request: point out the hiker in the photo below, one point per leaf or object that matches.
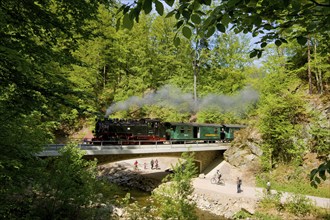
(156, 164)
(239, 184)
(268, 187)
(136, 165)
(152, 164)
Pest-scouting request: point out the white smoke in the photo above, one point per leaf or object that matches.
(173, 97)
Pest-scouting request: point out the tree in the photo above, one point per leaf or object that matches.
(173, 196)
(37, 38)
(68, 186)
(266, 18)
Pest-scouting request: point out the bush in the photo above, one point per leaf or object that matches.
(299, 205)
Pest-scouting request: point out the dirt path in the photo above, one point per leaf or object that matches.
(216, 192)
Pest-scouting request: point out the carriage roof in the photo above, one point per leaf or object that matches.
(205, 125)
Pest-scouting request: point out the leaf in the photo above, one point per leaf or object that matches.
(314, 184)
(170, 14)
(318, 180)
(196, 19)
(147, 6)
(322, 174)
(221, 27)
(127, 22)
(210, 32)
(268, 27)
(169, 2)
(186, 14)
(179, 24)
(225, 19)
(264, 44)
(159, 8)
(259, 53)
(301, 40)
(283, 40)
(278, 43)
(313, 173)
(176, 41)
(253, 53)
(186, 31)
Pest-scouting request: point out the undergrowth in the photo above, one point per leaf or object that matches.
(292, 179)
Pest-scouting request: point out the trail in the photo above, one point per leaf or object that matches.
(215, 192)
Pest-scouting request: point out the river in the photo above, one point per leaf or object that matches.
(142, 199)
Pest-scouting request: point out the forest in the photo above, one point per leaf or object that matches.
(64, 64)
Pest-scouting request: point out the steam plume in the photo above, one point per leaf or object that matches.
(170, 96)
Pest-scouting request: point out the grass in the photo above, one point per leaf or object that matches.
(293, 179)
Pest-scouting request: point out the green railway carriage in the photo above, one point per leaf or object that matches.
(200, 131)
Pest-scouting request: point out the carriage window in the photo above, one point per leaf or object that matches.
(182, 130)
(215, 130)
(189, 129)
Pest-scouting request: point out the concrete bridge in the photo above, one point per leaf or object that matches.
(205, 153)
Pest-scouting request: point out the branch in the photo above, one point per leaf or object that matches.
(319, 4)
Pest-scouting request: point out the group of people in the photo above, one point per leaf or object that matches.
(153, 164)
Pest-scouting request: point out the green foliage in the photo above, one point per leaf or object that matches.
(250, 17)
(320, 128)
(299, 205)
(265, 216)
(272, 201)
(68, 186)
(135, 211)
(320, 173)
(173, 196)
(294, 179)
(241, 215)
(279, 124)
(214, 116)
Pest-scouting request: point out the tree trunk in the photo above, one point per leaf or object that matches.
(309, 66)
(316, 69)
(104, 76)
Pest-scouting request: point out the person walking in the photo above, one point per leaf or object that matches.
(152, 164)
(156, 164)
(268, 187)
(239, 184)
(136, 165)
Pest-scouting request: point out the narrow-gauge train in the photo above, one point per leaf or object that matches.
(117, 131)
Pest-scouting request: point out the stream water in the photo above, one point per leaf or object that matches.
(142, 198)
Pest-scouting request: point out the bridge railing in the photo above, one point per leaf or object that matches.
(131, 144)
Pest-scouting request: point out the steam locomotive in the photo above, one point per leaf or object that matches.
(149, 131)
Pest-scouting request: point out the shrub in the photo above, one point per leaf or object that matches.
(299, 205)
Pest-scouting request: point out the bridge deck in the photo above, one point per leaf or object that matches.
(52, 150)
